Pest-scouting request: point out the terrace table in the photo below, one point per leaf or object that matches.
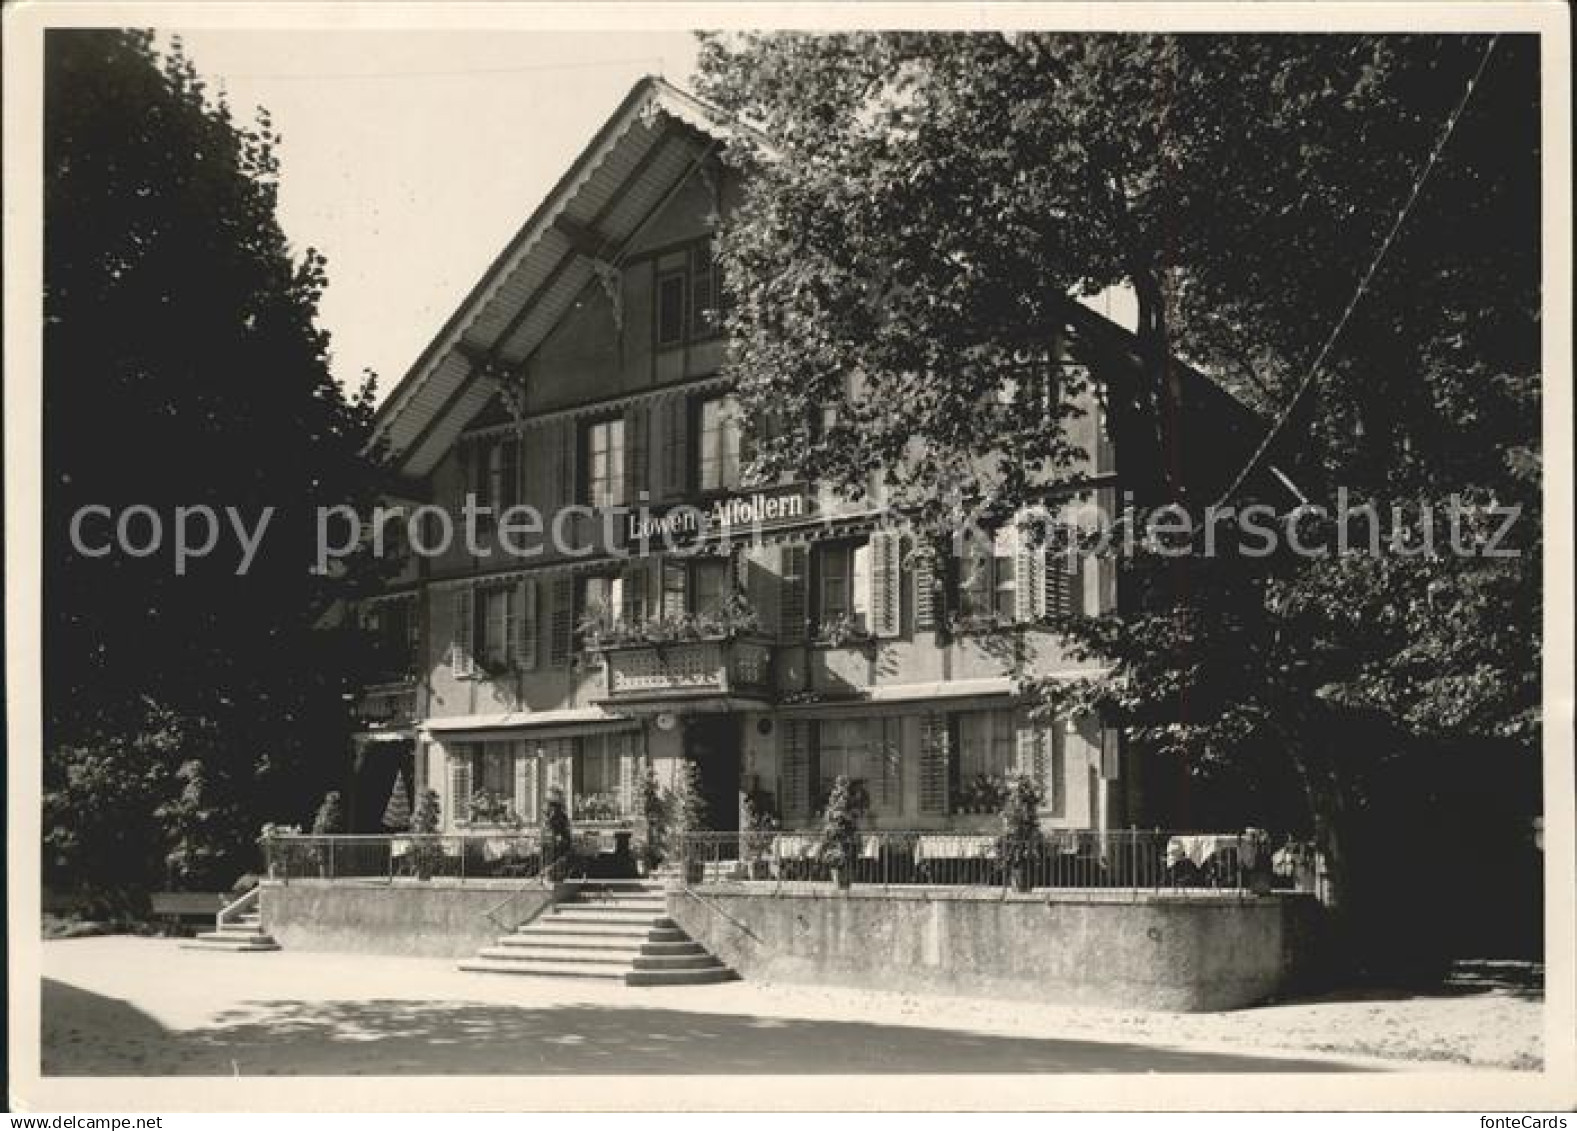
(954, 846)
(809, 847)
(1201, 848)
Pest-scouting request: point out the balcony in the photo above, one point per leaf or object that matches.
(388, 706)
(738, 666)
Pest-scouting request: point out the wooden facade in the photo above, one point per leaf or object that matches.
(584, 371)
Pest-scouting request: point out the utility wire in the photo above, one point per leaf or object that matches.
(1363, 284)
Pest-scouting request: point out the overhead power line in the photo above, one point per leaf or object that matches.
(1363, 284)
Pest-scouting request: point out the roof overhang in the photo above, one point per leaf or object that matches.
(657, 138)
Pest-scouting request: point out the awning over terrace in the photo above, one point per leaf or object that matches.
(566, 723)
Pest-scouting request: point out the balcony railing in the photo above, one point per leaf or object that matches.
(643, 671)
(388, 705)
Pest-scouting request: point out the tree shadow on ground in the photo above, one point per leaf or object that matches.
(393, 1037)
(1516, 978)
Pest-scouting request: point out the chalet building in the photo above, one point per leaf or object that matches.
(584, 370)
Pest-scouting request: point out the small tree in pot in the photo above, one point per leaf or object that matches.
(654, 815)
(1021, 844)
(689, 816)
(426, 852)
(329, 821)
(558, 839)
(761, 829)
(840, 831)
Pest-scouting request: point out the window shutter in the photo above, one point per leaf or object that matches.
(1077, 600)
(526, 625)
(927, 601)
(1028, 600)
(462, 651)
(561, 626)
(1033, 756)
(561, 767)
(525, 783)
(460, 785)
(794, 770)
(791, 594)
(934, 756)
(761, 589)
(886, 581)
(627, 774)
(1111, 761)
(565, 458)
(676, 461)
(635, 477)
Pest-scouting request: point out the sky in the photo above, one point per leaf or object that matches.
(410, 158)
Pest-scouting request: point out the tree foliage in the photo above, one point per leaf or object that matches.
(912, 231)
(183, 366)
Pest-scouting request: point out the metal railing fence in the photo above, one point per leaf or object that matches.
(1145, 859)
(457, 856)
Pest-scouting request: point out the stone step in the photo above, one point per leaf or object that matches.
(229, 943)
(690, 946)
(633, 887)
(628, 948)
(620, 903)
(577, 957)
(679, 977)
(241, 928)
(545, 969)
(602, 915)
(637, 931)
(666, 934)
(701, 961)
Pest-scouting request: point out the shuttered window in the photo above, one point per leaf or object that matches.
(718, 444)
(605, 474)
(500, 626)
(867, 751)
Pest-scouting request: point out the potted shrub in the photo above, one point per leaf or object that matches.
(329, 821)
(689, 817)
(840, 833)
(761, 828)
(654, 815)
(558, 838)
(1021, 843)
(426, 852)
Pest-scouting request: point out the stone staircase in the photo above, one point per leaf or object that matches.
(244, 933)
(613, 930)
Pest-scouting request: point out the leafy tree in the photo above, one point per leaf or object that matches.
(909, 239)
(182, 367)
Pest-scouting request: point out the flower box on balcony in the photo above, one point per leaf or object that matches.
(731, 664)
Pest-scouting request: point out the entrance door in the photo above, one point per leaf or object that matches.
(712, 743)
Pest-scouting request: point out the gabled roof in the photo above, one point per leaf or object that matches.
(651, 145)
